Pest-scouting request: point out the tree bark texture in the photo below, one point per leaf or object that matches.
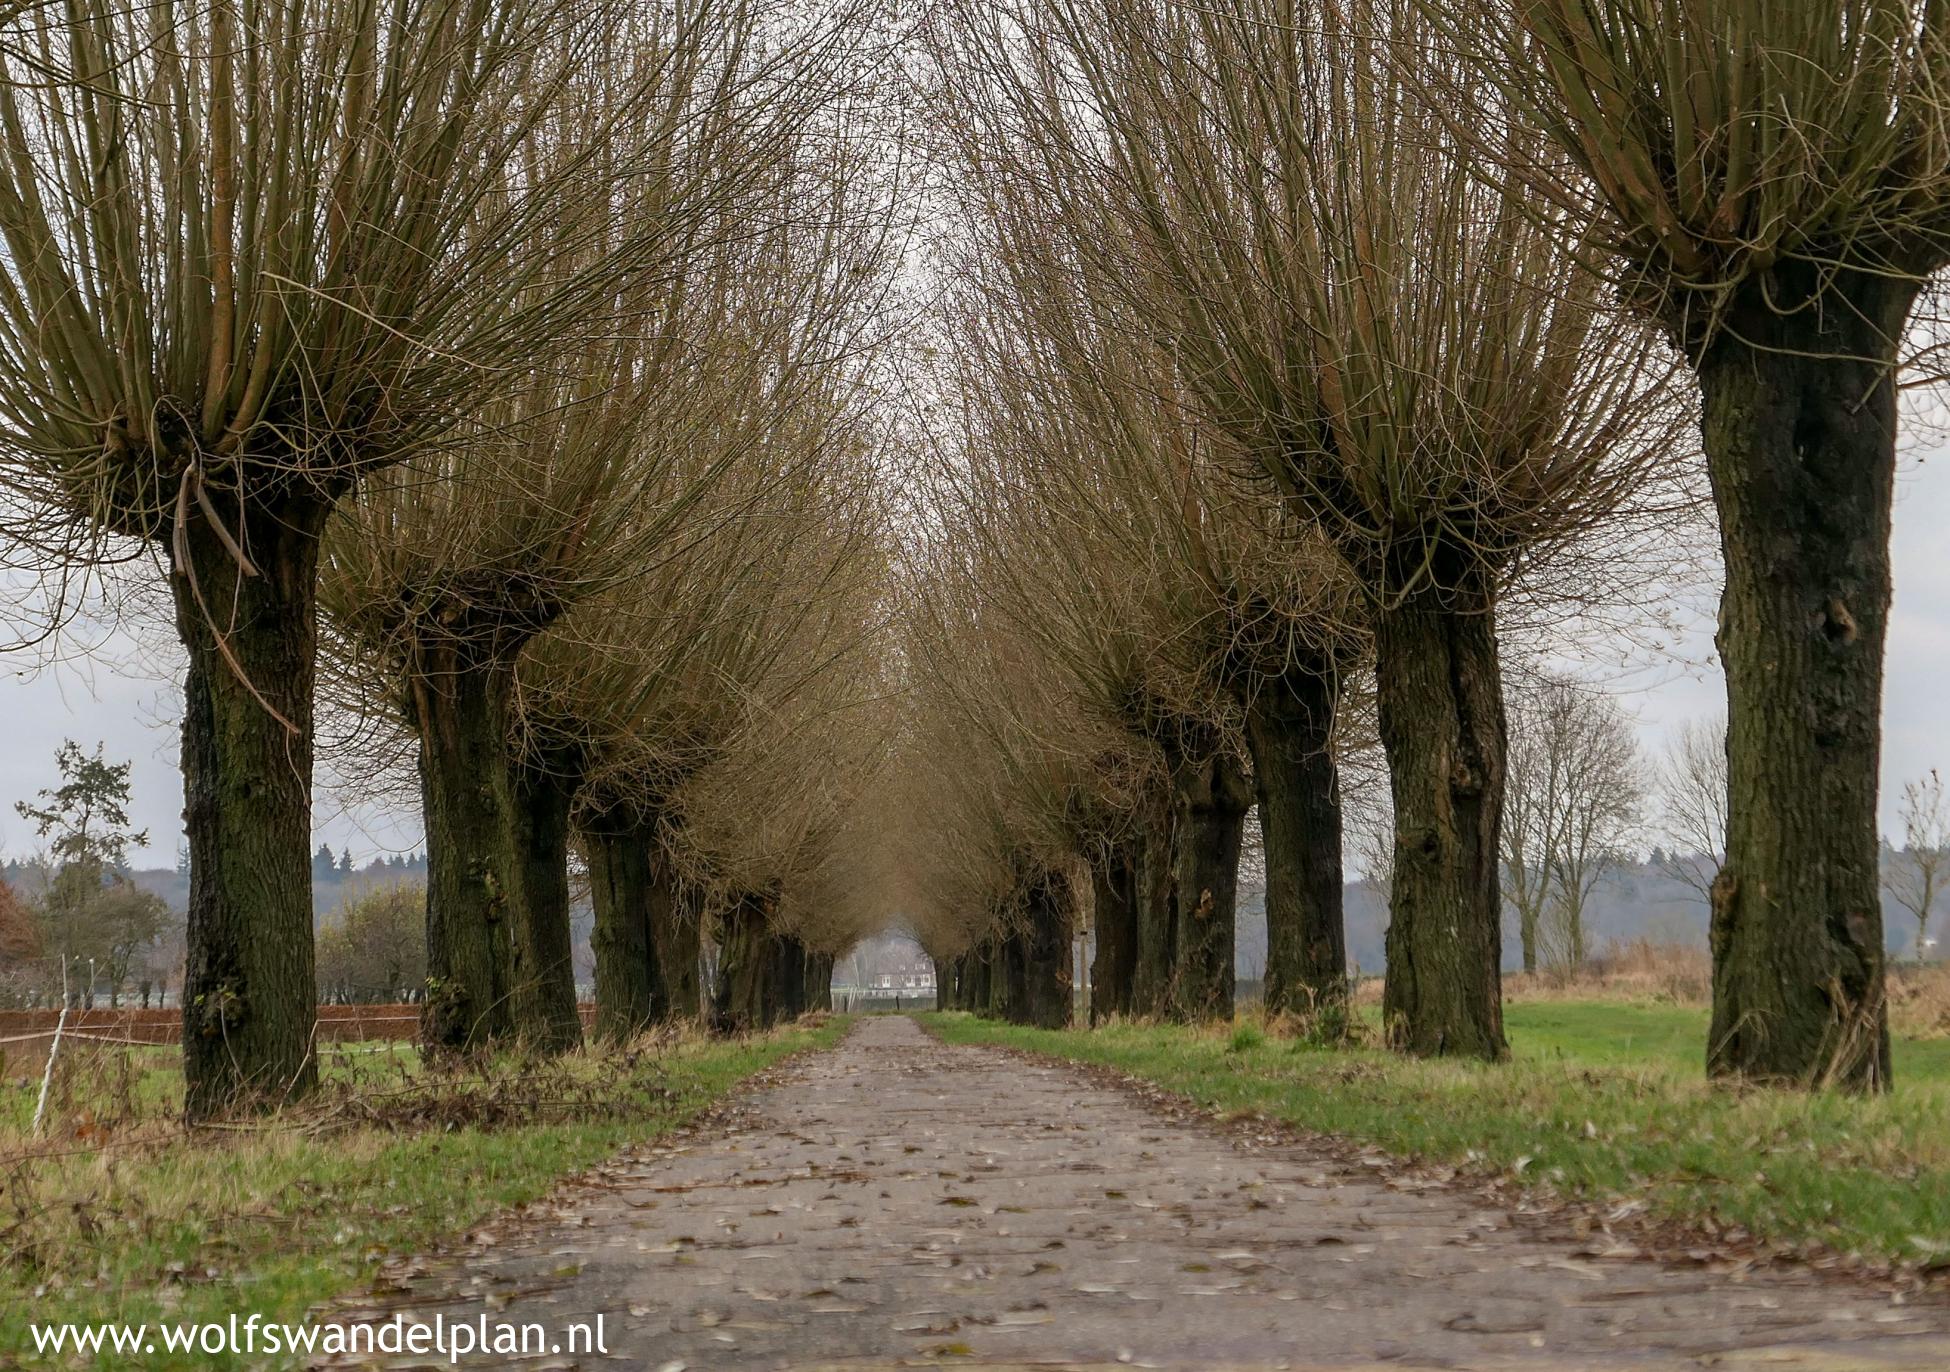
(630, 992)
(1289, 729)
(1157, 920)
(1114, 888)
(1044, 945)
(249, 988)
(679, 932)
(1442, 726)
(1799, 422)
(473, 867)
(544, 976)
(745, 994)
(1210, 801)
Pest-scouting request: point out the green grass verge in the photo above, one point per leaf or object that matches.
(1602, 1100)
(191, 1229)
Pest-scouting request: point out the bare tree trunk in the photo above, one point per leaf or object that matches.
(1800, 431)
(1210, 800)
(676, 923)
(1289, 728)
(473, 868)
(1157, 919)
(248, 985)
(789, 1001)
(1113, 879)
(544, 978)
(1045, 943)
(1442, 726)
(743, 994)
(630, 992)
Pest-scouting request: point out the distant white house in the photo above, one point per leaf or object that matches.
(910, 974)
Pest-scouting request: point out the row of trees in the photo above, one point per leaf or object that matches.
(1307, 351)
(502, 378)
(495, 377)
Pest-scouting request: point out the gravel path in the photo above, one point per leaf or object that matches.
(898, 1202)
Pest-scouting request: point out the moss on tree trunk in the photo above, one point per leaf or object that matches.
(1289, 728)
(1442, 725)
(1799, 423)
(473, 868)
(1210, 801)
(249, 991)
(1113, 881)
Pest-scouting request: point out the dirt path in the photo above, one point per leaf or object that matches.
(898, 1202)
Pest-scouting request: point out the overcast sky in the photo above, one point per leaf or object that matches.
(100, 698)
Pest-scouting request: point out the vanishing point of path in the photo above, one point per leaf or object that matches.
(897, 1202)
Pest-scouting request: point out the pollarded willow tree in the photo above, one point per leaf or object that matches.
(1008, 782)
(256, 253)
(1180, 603)
(1767, 181)
(579, 482)
(715, 656)
(1393, 339)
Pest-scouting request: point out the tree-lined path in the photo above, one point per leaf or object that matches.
(901, 1202)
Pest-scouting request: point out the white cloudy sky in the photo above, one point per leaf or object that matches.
(101, 697)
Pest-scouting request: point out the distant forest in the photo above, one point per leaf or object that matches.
(333, 878)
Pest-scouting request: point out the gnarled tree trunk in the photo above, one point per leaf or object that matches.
(1800, 431)
(1210, 801)
(473, 867)
(630, 991)
(1289, 729)
(744, 997)
(1442, 725)
(1114, 888)
(249, 991)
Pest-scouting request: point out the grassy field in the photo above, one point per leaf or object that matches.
(1604, 1101)
(118, 1215)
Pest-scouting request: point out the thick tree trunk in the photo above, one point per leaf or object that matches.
(1046, 953)
(1009, 978)
(1800, 429)
(1157, 920)
(1442, 726)
(790, 1001)
(744, 996)
(1210, 801)
(249, 992)
(544, 976)
(630, 991)
(1289, 728)
(473, 867)
(680, 935)
(1114, 887)
(820, 992)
